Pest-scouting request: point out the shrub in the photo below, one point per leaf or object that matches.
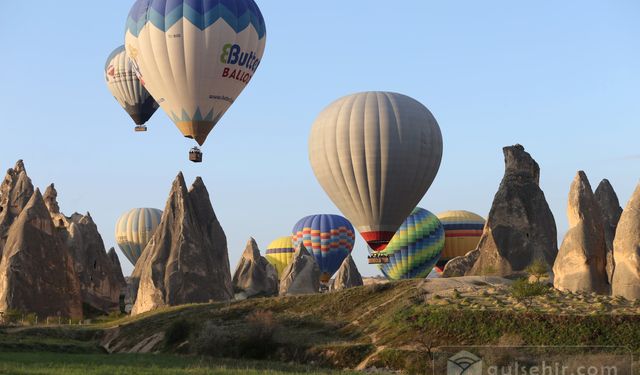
(523, 290)
(177, 332)
(11, 317)
(213, 341)
(538, 269)
(259, 341)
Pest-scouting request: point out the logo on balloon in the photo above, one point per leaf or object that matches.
(232, 54)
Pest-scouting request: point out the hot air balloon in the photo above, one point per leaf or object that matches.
(329, 238)
(195, 57)
(462, 230)
(280, 252)
(134, 230)
(376, 155)
(415, 248)
(127, 88)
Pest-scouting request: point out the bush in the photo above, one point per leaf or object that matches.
(522, 289)
(213, 341)
(538, 269)
(259, 341)
(177, 332)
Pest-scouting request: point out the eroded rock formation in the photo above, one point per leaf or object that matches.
(347, 276)
(15, 192)
(520, 228)
(302, 275)
(37, 271)
(581, 262)
(186, 260)
(255, 276)
(100, 280)
(610, 206)
(626, 277)
(459, 266)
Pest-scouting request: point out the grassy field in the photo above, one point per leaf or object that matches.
(395, 326)
(141, 364)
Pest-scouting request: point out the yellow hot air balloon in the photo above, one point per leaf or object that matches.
(462, 230)
(376, 155)
(280, 252)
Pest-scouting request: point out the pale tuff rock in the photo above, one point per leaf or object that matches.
(626, 277)
(15, 192)
(608, 200)
(347, 276)
(36, 270)
(100, 280)
(255, 276)
(51, 199)
(459, 266)
(520, 228)
(302, 275)
(113, 256)
(186, 260)
(581, 262)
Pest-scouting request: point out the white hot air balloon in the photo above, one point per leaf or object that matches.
(195, 56)
(376, 155)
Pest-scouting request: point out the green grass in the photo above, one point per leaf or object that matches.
(138, 364)
(335, 330)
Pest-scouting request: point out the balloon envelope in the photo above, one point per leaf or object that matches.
(134, 230)
(330, 238)
(127, 88)
(195, 56)
(415, 248)
(280, 253)
(462, 230)
(376, 155)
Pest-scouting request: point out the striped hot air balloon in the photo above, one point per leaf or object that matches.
(330, 238)
(127, 88)
(134, 230)
(463, 230)
(415, 248)
(280, 252)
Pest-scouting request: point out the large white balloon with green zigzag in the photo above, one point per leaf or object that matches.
(195, 56)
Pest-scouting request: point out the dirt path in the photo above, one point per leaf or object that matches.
(372, 336)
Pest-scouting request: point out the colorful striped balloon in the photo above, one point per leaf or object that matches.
(329, 237)
(280, 252)
(415, 248)
(463, 230)
(134, 230)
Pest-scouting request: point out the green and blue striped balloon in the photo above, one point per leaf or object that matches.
(415, 248)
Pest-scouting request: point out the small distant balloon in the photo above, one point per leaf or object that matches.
(134, 230)
(415, 248)
(280, 253)
(125, 86)
(330, 238)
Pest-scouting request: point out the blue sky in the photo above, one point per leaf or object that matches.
(561, 78)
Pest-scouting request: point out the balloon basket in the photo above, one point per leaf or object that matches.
(379, 259)
(195, 155)
(140, 128)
